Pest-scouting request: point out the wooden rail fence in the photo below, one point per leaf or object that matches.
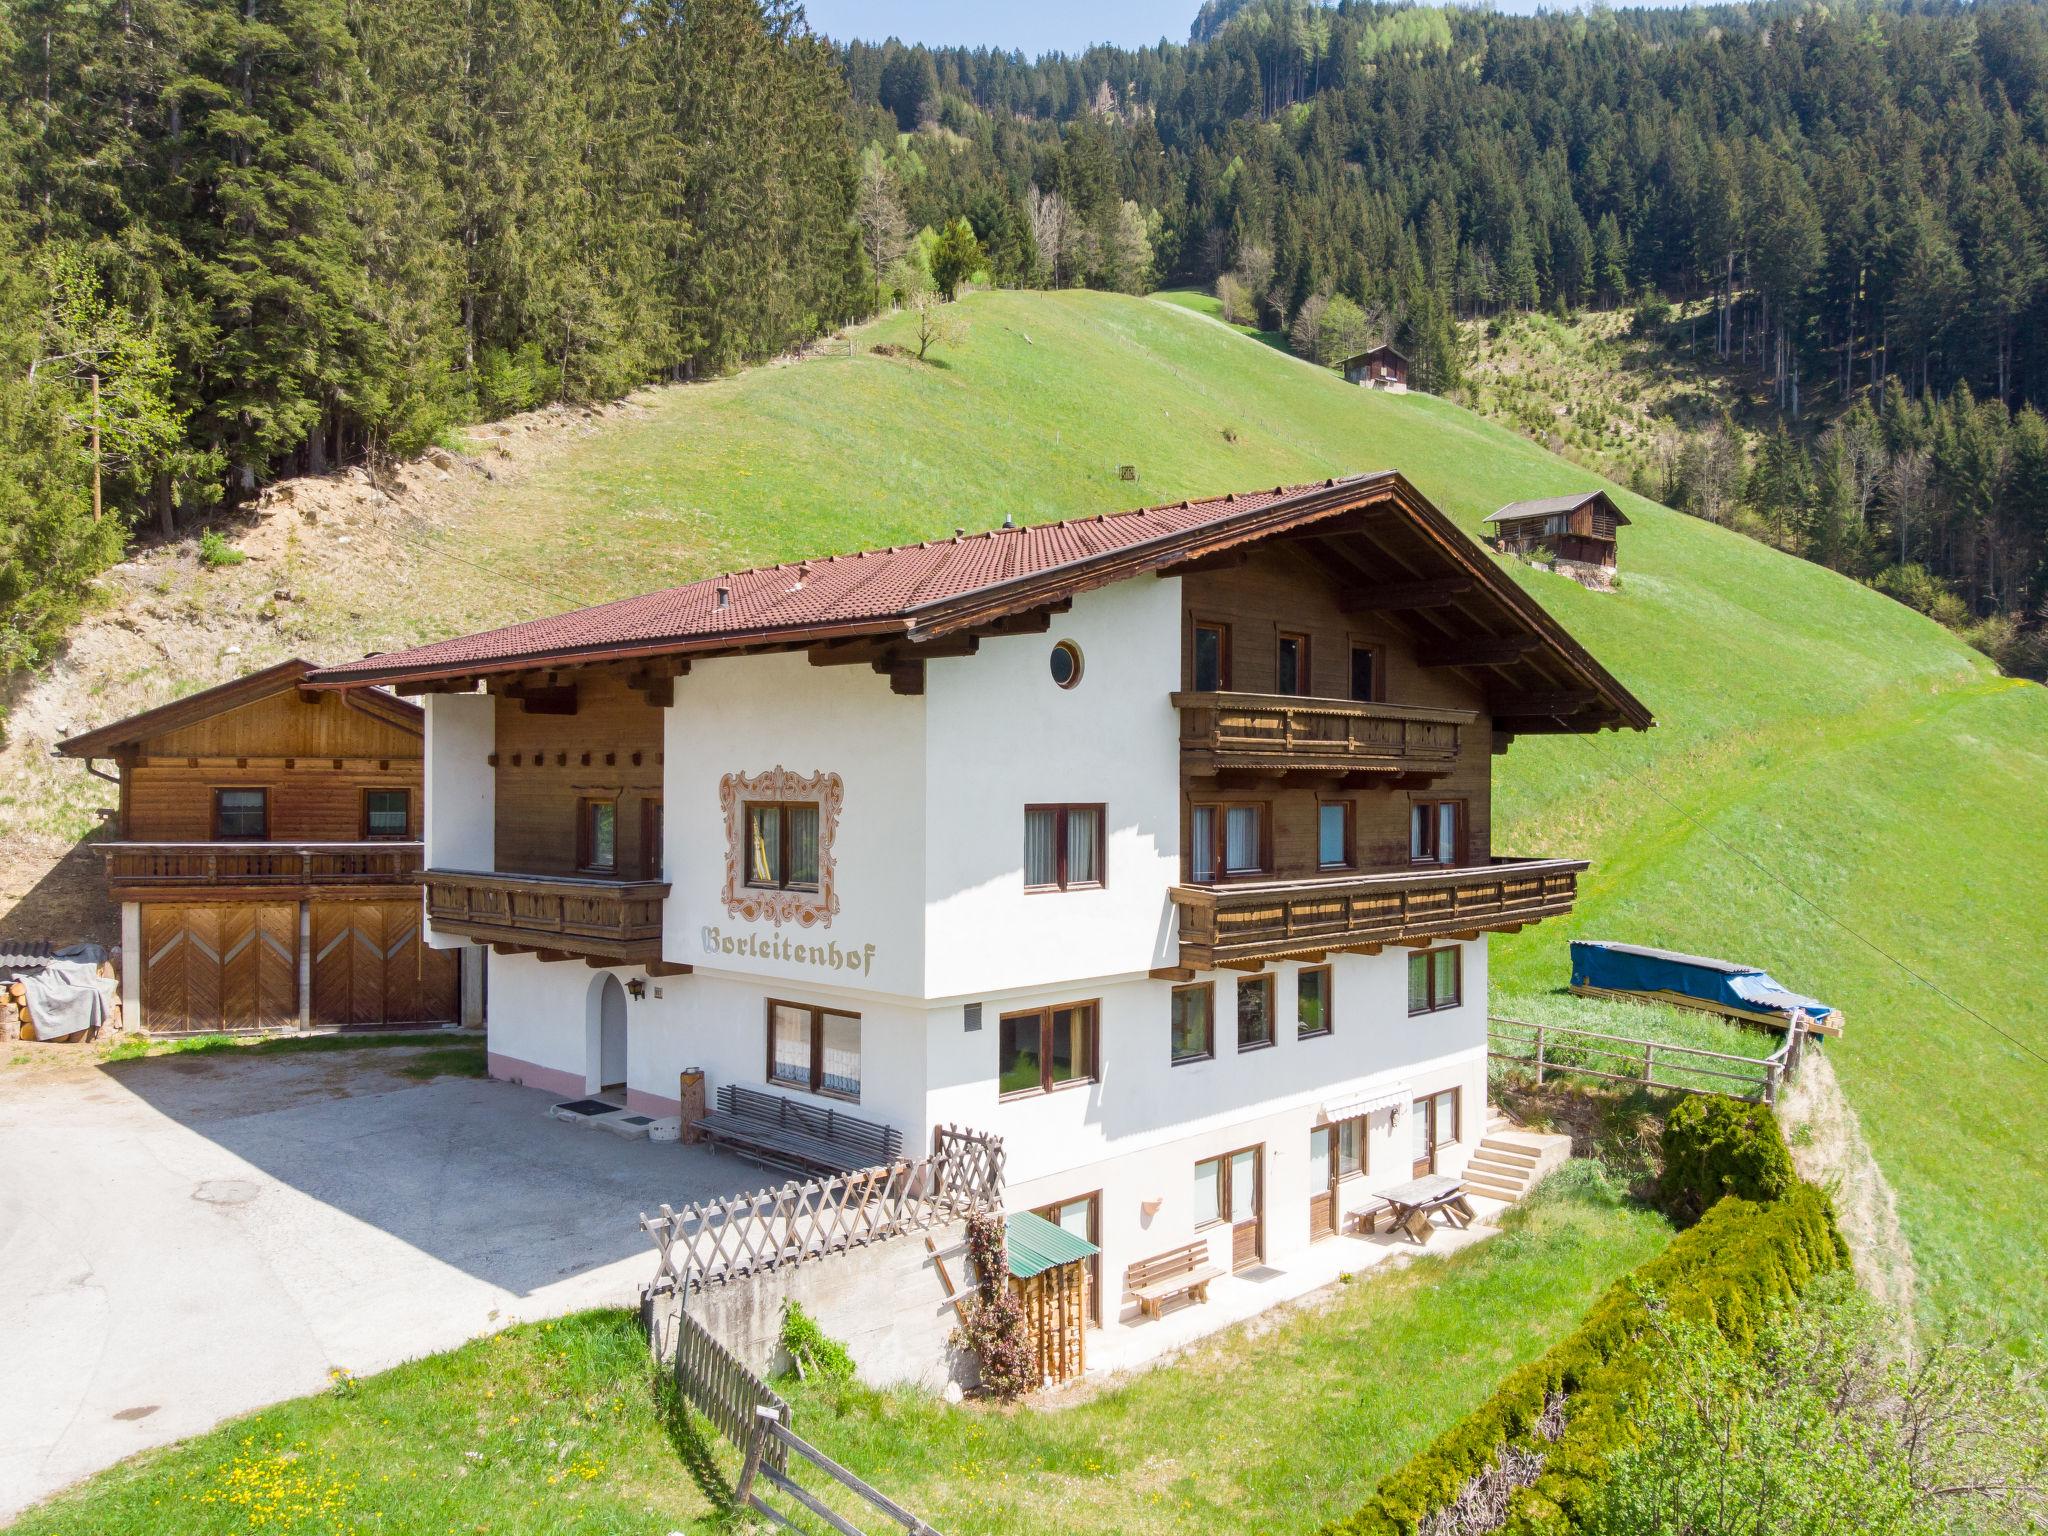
(768, 1451)
(720, 1241)
(1553, 1048)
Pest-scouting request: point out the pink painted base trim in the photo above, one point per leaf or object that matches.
(653, 1104)
(510, 1069)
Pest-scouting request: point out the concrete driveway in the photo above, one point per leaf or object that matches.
(187, 1238)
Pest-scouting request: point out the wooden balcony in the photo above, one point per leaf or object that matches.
(550, 914)
(158, 871)
(1271, 733)
(1271, 920)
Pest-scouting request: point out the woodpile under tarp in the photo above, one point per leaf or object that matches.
(58, 994)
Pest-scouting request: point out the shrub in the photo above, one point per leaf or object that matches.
(992, 1321)
(816, 1354)
(1714, 1147)
(1724, 1273)
(215, 551)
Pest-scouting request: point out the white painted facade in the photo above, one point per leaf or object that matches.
(933, 918)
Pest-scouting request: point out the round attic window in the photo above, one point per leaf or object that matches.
(1066, 664)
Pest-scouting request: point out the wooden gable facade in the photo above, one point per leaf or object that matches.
(265, 853)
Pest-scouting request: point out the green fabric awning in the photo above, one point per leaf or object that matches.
(1036, 1245)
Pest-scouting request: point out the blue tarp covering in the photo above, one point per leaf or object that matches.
(1634, 968)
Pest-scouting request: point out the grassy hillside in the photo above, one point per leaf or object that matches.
(1832, 776)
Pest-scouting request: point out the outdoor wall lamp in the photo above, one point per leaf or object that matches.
(636, 989)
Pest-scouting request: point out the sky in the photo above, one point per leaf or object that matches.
(1032, 26)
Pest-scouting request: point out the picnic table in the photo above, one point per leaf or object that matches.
(1416, 1201)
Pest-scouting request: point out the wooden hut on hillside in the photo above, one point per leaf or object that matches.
(1378, 367)
(1579, 529)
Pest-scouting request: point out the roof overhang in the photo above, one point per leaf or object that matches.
(284, 677)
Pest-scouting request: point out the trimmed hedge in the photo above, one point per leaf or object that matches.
(1715, 1147)
(1726, 1271)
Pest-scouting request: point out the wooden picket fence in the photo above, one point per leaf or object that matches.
(1553, 1049)
(720, 1241)
(712, 1379)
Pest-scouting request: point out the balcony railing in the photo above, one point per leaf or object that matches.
(1281, 733)
(1271, 920)
(142, 867)
(612, 919)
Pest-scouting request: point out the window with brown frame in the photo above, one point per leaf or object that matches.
(241, 813)
(1063, 847)
(1290, 669)
(1082, 1216)
(1435, 979)
(1211, 647)
(1194, 1022)
(1045, 1048)
(1254, 1013)
(782, 846)
(597, 836)
(1312, 1014)
(1436, 831)
(652, 851)
(814, 1049)
(1340, 1147)
(387, 813)
(1333, 834)
(1227, 840)
(1368, 671)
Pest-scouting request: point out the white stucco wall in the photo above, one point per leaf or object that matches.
(749, 715)
(461, 802)
(1000, 736)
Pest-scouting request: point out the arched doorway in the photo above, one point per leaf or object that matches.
(606, 1055)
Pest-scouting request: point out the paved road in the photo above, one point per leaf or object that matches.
(187, 1238)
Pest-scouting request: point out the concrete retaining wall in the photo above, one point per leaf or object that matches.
(885, 1302)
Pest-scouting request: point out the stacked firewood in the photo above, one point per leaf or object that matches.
(17, 1018)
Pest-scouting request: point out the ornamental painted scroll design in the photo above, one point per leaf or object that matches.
(807, 909)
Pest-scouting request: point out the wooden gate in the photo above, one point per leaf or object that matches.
(229, 967)
(371, 966)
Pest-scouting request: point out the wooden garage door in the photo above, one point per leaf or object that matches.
(230, 967)
(371, 967)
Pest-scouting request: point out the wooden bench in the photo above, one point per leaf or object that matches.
(1365, 1221)
(810, 1138)
(1183, 1271)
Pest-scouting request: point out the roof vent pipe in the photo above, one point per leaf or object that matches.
(1009, 521)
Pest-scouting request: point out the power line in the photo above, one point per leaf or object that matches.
(1869, 943)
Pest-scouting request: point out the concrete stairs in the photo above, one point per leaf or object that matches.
(1509, 1160)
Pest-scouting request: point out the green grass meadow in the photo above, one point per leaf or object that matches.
(1837, 788)
(557, 1427)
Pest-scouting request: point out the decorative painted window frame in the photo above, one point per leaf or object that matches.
(807, 909)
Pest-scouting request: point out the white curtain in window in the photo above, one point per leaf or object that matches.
(1041, 851)
(1083, 829)
(842, 1054)
(1202, 843)
(1240, 839)
(792, 1057)
(803, 844)
(1244, 1186)
(1418, 832)
(1418, 1136)
(1447, 832)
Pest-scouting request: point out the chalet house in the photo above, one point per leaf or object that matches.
(1576, 530)
(1378, 368)
(1158, 843)
(266, 858)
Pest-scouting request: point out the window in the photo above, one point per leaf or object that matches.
(1433, 979)
(1351, 1147)
(1365, 673)
(1193, 1031)
(1082, 1216)
(387, 812)
(1046, 1049)
(1312, 1001)
(1062, 847)
(1291, 672)
(1254, 1012)
(782, 847)
(1212, 658)
(1209, 1181)
(241, 813)
(1227, 1188)
(652, 852)
(1333, 834)
(1066, 664)
(815, 1049)
(597, 836)
(1436, 829)
(1231, 838)
(1435, 1125)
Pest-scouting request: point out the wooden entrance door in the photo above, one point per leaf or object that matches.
(227, 967)
(371, 966)
(1322, 1173)
(1246, 1191)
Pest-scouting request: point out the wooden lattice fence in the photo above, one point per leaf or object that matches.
(719, 1241)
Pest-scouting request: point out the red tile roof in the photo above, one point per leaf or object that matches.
(873, 591)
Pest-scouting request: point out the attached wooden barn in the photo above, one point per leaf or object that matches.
(1580, 529)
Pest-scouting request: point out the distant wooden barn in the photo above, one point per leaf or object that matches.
(1580, 529)
(1377, 368)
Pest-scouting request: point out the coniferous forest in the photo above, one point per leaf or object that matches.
(246, 238)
